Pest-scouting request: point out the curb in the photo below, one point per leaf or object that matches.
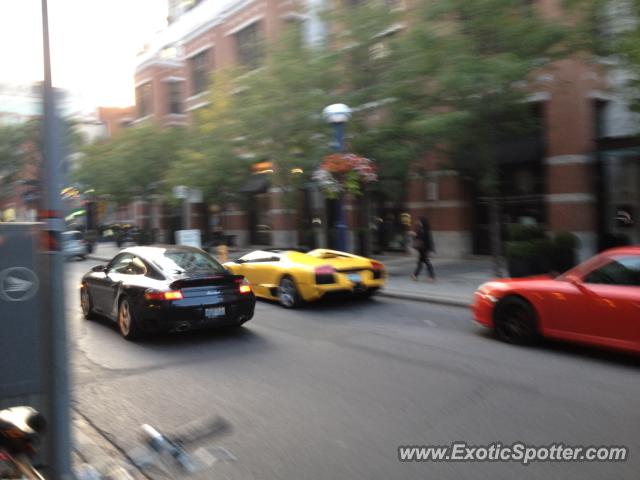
(97, 456)
(451, 302)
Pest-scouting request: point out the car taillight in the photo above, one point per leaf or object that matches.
(244, 286)
(170, 295)
(378, 269)
(325, 274)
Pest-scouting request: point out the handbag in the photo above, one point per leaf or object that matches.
(418, 243)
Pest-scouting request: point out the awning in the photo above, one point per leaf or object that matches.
(257, 183)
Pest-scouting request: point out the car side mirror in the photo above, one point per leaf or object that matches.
(99, 268)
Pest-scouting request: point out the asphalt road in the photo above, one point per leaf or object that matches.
(330, 391)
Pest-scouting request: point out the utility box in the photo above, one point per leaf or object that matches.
(21, 381)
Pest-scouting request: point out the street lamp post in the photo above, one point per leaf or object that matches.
(338, 115)
(54, 336)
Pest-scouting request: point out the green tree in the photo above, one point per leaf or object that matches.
(134, 164)
(271, 114)
(461, 80)
(210, 158)
(617, 24)
(11, 156)
(364, 40)
(278, 107)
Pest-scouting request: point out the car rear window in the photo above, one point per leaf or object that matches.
(181, 261)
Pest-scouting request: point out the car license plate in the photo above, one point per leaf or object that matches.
(214, 312)
(354, 277)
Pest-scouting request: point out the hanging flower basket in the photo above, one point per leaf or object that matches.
(344, 172)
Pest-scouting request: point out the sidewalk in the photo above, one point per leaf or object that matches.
(96, 458)
(457, 279)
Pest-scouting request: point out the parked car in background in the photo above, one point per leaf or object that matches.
(166, 288)
(293, 277)
(597, 302)
(74, 245)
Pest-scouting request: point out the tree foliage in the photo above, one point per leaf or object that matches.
(465, 70)
(132, 164)
(448, 75)
(19, 154)
(208, 160)
(271, 114)
(12, 142)
(619, 23)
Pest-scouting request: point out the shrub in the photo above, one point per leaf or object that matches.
(564, 251)
(519, 249)
(518, 232)
(566, 241)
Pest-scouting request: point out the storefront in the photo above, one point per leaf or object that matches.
(620, 196)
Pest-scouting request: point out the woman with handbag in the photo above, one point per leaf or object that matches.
(423, 243)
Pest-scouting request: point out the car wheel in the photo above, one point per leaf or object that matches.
(288, 293)
(127, 323)
(86, 302)
(515, 321)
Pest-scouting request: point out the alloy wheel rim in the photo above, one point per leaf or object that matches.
(124, 318)
(287, 292)
(514, 324)
(84, 301)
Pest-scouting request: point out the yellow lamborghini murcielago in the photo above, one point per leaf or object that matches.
(293, 277)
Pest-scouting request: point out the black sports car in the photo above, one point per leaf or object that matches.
(166, 288)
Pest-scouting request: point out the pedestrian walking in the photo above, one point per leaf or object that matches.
(423, 243)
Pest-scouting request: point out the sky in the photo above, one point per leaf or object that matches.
(93, 45)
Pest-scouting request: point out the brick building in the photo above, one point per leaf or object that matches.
(579, 173)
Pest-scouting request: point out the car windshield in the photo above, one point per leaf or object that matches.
(185, 261)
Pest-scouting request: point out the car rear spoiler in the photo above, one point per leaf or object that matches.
(203, 281)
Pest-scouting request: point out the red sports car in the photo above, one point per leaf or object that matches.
(597, 302)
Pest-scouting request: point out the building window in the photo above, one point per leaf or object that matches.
(143, 99)
(200, 72)
(175, 97)
(249, 47)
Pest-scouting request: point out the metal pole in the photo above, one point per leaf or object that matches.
(55, 364)
(341, 223)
